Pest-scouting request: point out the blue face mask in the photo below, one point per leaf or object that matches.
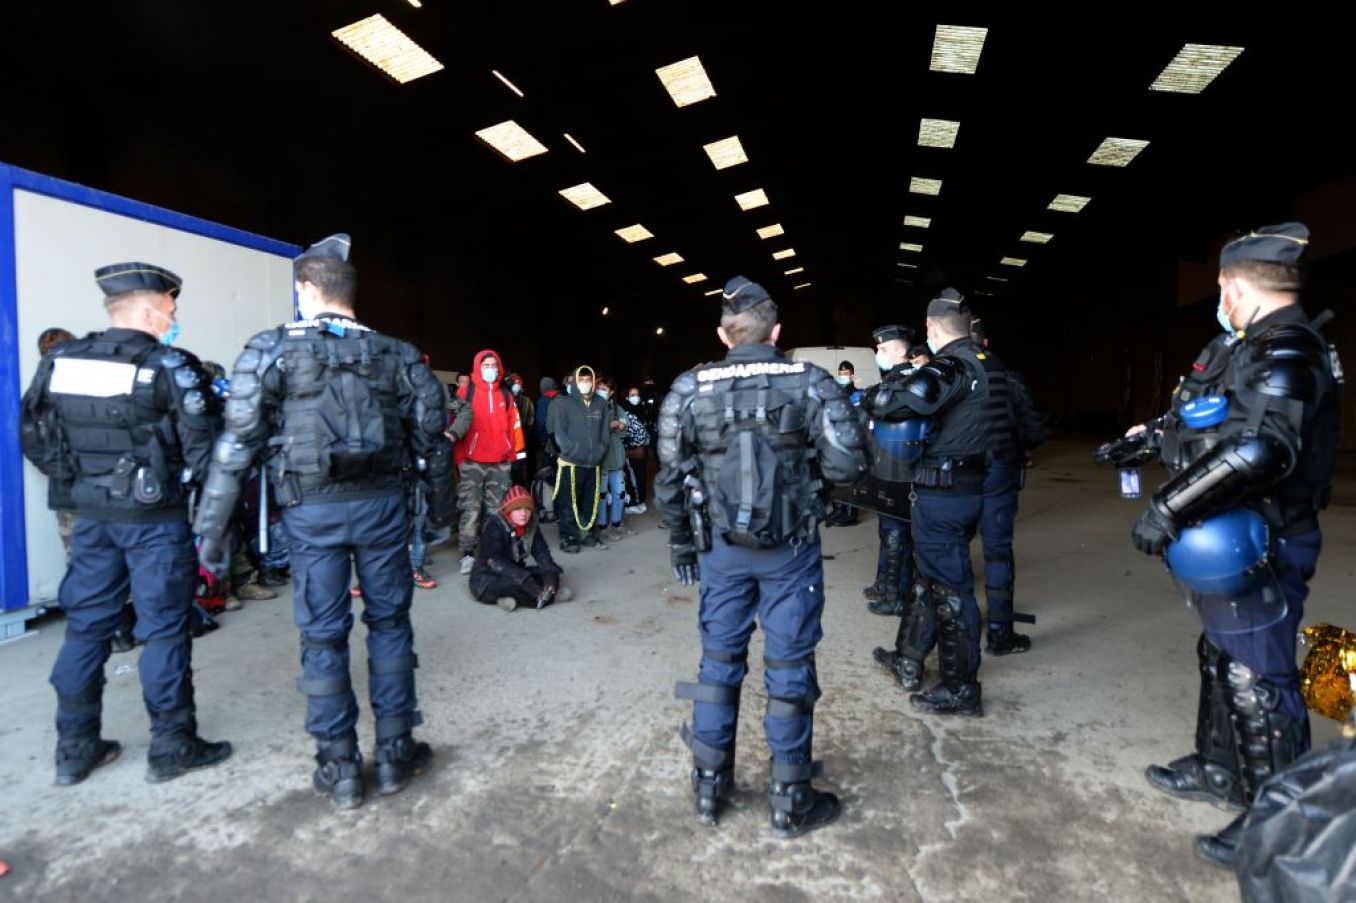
(603, 393)
(883, 363)
(169, 337)
(842, 380)
(1222, 317)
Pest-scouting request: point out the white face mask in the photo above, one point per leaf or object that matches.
(603, 394)
(584, 388)
(883, 362)
(489, 374)
(633, 399)
(515, 388)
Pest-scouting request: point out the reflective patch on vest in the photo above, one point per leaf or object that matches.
(739, 371)
(146, 376)
(95, 379)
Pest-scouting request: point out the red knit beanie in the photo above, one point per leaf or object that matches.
(517, 497)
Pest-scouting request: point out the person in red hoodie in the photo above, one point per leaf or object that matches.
(492, 441)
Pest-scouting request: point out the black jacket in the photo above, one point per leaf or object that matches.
(503, 555)
(580, 429)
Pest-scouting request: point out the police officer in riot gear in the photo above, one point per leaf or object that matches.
(1272, 454)
(122, 423)
(894, 564)
(955, 389)
(338, 411)
(745, 448)
(1010, 401)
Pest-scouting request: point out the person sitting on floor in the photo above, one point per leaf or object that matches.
(501, 574)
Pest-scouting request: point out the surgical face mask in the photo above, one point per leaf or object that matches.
(633, 399)
(308, 304)
(489, 374)
(1222, 317)
(584, 387)
(515, 388)
(603, 394)
(932, 349)
(168, 337)
(883, 362)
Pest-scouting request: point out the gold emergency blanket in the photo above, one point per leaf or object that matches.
(1325, 676)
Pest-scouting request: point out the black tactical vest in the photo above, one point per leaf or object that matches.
(963, 430)
(1000, 420)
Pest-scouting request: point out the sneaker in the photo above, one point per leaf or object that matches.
(507, 603)
(232, 603)
(253, 592)
(564, 594)
(635, 510)
(424, 581)
(274, 577)
(467, 562)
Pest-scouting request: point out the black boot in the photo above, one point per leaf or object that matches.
(1003, 640)
(1221, 849)
(122, 639)
(905, 661)
(795, 806)
(959, 691)
(339, 772)
(172, 757)
(893, 581)
(711, 788)
(1210, 774)
(399, 759)
(77, 756)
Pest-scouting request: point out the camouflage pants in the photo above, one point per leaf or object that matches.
(479, 495)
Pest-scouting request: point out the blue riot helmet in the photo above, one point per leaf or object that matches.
(1223, 567)
(902, 441)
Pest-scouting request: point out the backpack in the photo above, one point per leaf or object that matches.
(635, 434)
(749, 503)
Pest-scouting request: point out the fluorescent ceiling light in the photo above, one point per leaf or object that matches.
(726, 153)
(714, 291)
(511, 140)
(686, 81)
(909, 246)
(388, 48)
(695, 278)
(659, 331)
(996, 278)
(937, 133)
(1037, 238)
(668, 260)
(956, 48)
(918, 222)
(605, 310)
(981, 292)
(1194, 68)
(925, 186)
(771, 231)
(750, 200)
(912, 266)
(1013, 262)
(577, 146)
(584, 196)
(802, 285)
(633, 234)
(616, 2)
(1068, 203)
(510, 85)
(417, 4)
(1117, 151)
(793, 271)
(782, 255)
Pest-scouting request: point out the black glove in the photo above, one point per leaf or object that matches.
(1153, 531)
(684, 557)
(214, 557)
(546, 595)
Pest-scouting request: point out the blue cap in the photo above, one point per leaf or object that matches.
(1284, 243)
(741, 294)
(120, 278)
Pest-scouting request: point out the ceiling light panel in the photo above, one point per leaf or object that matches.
(508, 84)
(996, 278)
(726, 152)
(1117, 151)
(668, 260)
(686, 81)
(577, 146)
(793, 271)
(751, 200)
(783, 255)
(909, 246)
(584, 196)
(1068, 203)
(918, 222)
(802, 285)
(937, 133)
(633, 234)
(925, 186)
(695, 278)
(1194, 68)
(912, 266)
(771, 231)
(956, 48)
(1013, 262)
(388, 48)
(1037, 238)
(511, 140)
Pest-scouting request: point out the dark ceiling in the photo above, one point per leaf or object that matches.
(825, 98)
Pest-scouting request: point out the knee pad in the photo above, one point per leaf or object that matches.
(786, 706)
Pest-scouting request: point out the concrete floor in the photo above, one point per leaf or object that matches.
(559, 773)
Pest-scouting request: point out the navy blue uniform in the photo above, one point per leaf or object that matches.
(123, 426)
(748, 443)
(351, 413)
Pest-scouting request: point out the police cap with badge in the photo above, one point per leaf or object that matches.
(335, 247)
(122, 278)
(949, 302)
(742, 294)
(1284, 243)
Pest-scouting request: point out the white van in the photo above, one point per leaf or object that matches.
(830, 356)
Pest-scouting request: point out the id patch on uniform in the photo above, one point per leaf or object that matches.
(96, 379)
